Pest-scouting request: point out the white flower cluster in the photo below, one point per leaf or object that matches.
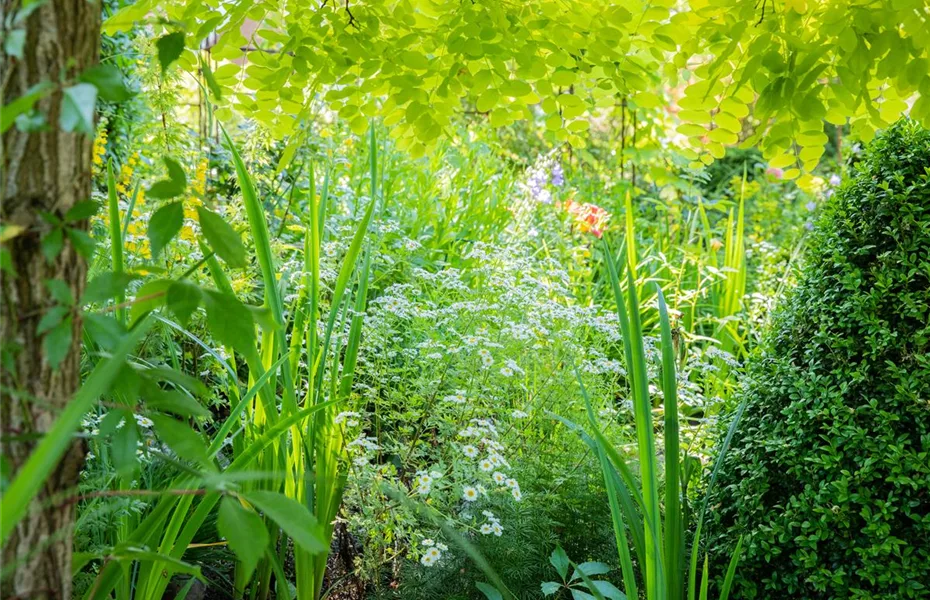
(492, 525)
(432, 552)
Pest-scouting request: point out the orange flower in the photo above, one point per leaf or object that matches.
(589, 217)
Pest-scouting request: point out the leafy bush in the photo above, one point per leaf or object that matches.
(829, 473)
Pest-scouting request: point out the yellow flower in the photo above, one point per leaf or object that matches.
(199, 185)
(187, 233)
(100, 146)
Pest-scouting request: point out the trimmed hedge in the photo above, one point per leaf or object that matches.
(829, 473)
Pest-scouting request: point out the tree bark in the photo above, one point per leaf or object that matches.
(45, 171)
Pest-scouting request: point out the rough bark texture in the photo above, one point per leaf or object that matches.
(48, 171)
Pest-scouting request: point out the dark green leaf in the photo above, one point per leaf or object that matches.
(229, 321)
(60, 291)
(81, 210)
(50, 319)
(149, 297)
(164, 225)
(82, 242)
(182, 299)
(186, 443)
(292, 516)
(178, 379)
(171, 187)
(169, 48)
(57, 342)
(244, 532)
(103, 329)
(77, 108)
(52, 243)
(109, 81)
(174, 402)
(223, 239)
(105, 286)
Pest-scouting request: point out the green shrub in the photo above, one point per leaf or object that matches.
(829, 474)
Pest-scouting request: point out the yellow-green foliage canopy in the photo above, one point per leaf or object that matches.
(763, 71)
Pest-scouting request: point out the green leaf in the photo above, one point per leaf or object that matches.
(223, 239)
(590, 569)
(559, 560)
(490, 592)
(82, 242)
(608, 590)
(171, 187)
(179, 436)
(77, 108)
(52, 243)
(109, 81)
(104, 330)
(124, 445)
(487, 100)
(60, 291)
(14, 41)
(292, 516)
(149, 297)
(244, 532)
(174, 402)
(57, 342)
(81, 211)
(52, 318)
(23, 104)
(182, 299)
(105, 286)
(164, 225)
(169, 49)
(550, 587)
(214, 87)
(230, 321)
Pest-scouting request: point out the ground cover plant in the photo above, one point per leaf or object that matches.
(437, 300)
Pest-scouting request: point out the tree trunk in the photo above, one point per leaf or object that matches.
(47, 171)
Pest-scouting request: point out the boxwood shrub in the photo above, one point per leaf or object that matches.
(828, 476)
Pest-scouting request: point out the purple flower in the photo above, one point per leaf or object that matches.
(811, 206)
(558, 176)
(809, 226)
(835, 180)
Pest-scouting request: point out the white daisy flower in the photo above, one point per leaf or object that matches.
(428, 542)
(512, 483)
(497, 529)
(507, 372)
(486, 464)
(486, 529)
(469, 494)
(517, 495)
(499, 478)
(470, 451)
